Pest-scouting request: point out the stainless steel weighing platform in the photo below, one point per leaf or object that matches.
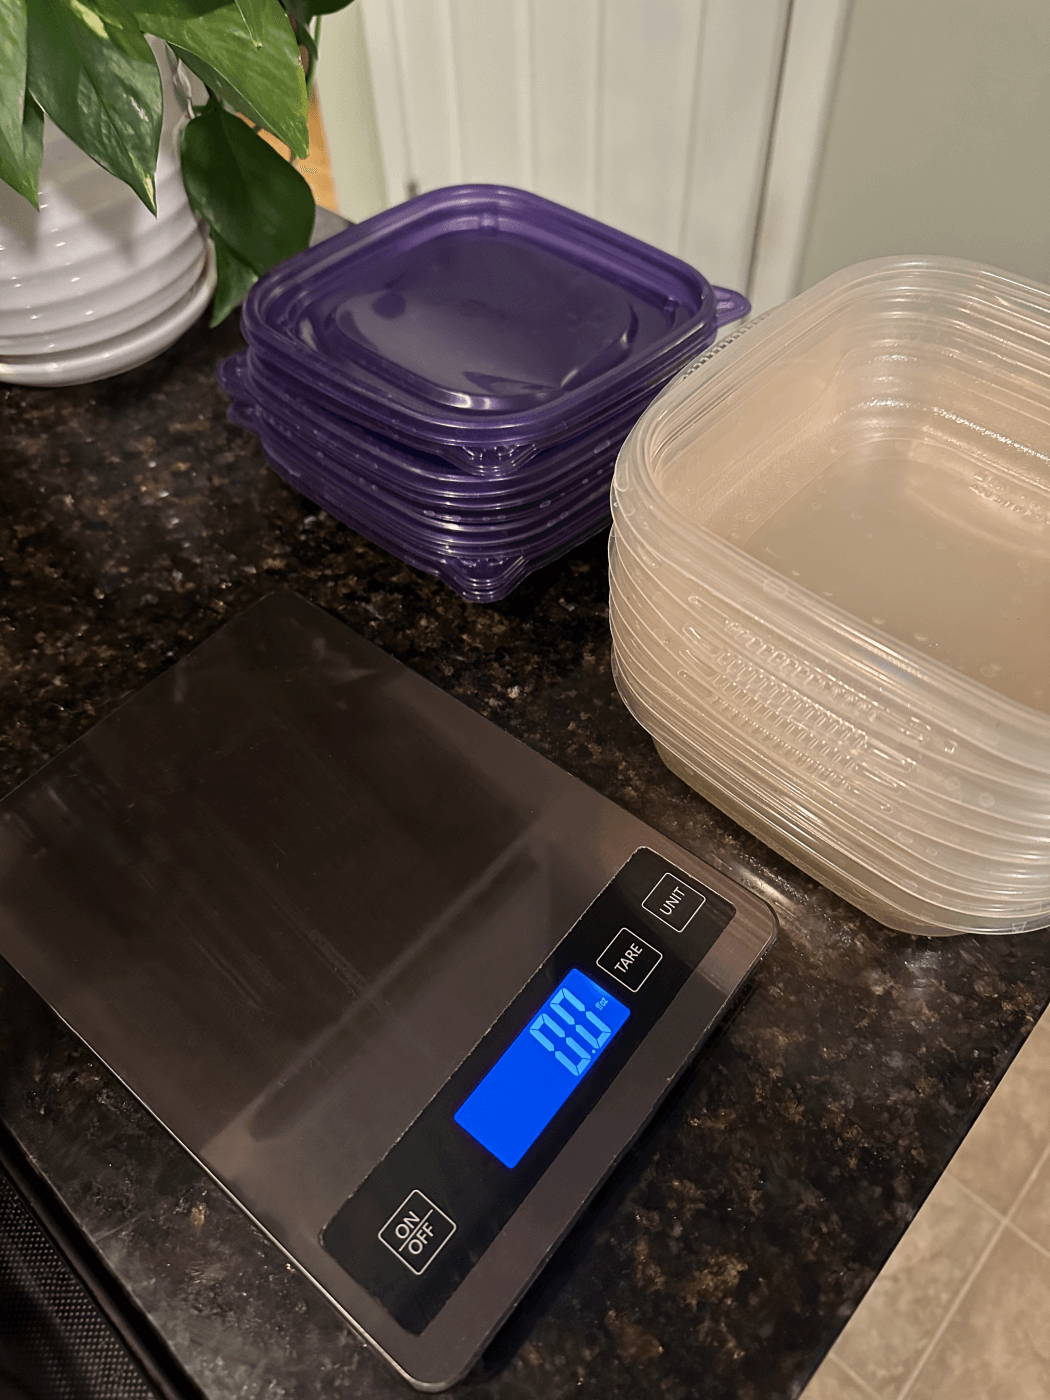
(402, 986)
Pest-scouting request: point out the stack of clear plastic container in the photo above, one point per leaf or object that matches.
(454, 377)
(830, 588)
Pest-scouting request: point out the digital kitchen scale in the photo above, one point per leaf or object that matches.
(402, 986)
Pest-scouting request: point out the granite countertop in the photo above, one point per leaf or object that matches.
(729, 1249)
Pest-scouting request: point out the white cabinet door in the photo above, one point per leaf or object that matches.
(654, 115)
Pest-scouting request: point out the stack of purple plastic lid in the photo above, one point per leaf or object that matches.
(454, 377)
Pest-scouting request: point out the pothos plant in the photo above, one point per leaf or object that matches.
(86, 65)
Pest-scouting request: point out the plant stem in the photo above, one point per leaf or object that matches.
(311, 69)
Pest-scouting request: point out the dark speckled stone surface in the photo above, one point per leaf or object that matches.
(727, 1252)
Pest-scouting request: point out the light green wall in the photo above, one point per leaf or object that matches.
(345, 86)
(939, 137)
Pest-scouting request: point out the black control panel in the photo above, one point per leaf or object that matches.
(416, 1226)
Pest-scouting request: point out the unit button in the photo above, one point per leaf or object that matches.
(629, 959)
(673, 902)
(417, 1231)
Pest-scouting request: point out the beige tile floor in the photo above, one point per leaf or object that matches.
(961, 1310)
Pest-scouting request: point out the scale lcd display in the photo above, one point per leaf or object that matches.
(541, 1067)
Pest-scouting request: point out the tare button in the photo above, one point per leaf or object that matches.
(673, 902)
(629, 959)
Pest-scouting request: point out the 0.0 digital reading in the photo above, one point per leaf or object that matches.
(541, 1067)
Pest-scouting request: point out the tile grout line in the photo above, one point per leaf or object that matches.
(1008, 1220)
(1040, 1164)
(974, 1195)
(853, 1375)
(1023, 1235)
(942, 1326)
(1001, 1228)
(856, 1376)
(1004, 1222)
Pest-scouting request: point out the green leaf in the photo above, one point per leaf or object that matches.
(21, 121)
(21, 169)
(299, 12)
(233, 279)
(244, 189)
(218, 84)
(250, 51)
(94, 75)
(312, 8)
(301, 15)
(309, 43)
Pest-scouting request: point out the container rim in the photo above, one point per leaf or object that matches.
(507, 434)
(635, 468)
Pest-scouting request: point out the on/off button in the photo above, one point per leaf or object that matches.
(417, 1231)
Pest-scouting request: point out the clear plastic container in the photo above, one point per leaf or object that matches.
(942, 836)
(862, 728)
(831, 588)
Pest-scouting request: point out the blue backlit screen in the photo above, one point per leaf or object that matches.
(541, 1067)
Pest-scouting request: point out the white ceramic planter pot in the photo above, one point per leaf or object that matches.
(93, 284)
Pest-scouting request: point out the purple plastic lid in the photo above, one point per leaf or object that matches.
(499, 523)
(482, 321)
(561, 516)
(481, 576)
(479, 579)
(427, 482)
(493, 463)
